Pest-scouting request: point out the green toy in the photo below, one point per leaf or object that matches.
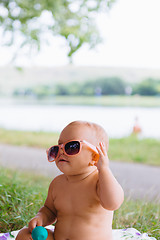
(39, 233)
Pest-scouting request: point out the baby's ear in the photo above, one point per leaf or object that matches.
(95, 157)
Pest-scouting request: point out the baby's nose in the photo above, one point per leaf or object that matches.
(61, 151)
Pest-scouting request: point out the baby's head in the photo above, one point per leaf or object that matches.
(75, 157)
(84, 130)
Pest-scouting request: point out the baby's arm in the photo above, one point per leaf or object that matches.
(47, 214)
(109, 191)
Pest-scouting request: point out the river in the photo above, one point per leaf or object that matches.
(117, 121)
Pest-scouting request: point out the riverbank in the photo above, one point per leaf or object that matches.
(107, 101)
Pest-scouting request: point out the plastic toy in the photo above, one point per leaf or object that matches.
(39, 233)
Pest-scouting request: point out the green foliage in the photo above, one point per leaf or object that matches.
(42, 91)
(96, 87)
(104, 86)
(148, 87)
(71, 89)
(61, 90)
(39, 92)
(71, 19)
(108, 86)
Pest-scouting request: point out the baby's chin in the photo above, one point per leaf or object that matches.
(75, 172)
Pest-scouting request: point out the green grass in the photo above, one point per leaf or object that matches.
(133, 149)
(23, 138)
(129, 149)
(144, 216)
(21, 196)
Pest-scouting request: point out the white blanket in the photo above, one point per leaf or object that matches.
(118, 234)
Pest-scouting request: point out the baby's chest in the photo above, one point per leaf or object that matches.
(73, 200)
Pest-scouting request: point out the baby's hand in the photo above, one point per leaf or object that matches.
(103, 157)
(36, 221)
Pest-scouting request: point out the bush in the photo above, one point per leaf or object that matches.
(104, 86)
(148, 87)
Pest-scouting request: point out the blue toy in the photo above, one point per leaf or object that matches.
(39, 233)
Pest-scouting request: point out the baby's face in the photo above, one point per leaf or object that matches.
(75, 164)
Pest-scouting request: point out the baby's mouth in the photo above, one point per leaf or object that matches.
(63, 160)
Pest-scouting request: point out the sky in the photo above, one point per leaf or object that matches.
(131, 38)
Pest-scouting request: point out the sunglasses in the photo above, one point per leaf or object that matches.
(70, 148)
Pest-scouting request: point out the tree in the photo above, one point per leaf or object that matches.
(148, 87)
(71, 19)
(105, 86)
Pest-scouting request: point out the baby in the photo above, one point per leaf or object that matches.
(81, 201)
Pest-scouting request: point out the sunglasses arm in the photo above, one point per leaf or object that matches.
(91, 146)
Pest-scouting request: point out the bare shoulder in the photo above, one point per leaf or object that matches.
(53, 190)
(56, 181)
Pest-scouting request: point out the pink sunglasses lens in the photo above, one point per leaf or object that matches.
(72, 148)
(52, 153)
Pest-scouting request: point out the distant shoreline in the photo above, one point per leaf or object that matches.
(16, 77)
(103, 101)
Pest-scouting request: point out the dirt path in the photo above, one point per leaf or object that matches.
(138, 181)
